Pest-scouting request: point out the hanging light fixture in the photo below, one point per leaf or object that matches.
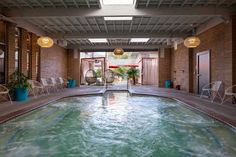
(45, 41)
(192, 41)
(118, 51)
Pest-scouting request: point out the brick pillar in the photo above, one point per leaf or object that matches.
(23, 49)
(191, 70)
(73, 62)
(34, 50)
(234, 49)
(10, 48)
(164, 66)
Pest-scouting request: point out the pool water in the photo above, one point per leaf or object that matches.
(116, 125)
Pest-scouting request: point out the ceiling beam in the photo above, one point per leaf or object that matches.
(119, 35)
(119, 11)
(110, 48)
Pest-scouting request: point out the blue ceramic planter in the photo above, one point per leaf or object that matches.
(21, 94)
(71, 84)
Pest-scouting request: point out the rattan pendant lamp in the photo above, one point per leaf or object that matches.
(192, 41)
(45, 41)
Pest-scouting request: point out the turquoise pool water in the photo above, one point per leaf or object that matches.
(116, 125)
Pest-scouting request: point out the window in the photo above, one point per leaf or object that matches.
(17, 48)
(28, 60)
(2, 52)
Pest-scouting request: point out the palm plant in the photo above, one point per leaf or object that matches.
(133, 73)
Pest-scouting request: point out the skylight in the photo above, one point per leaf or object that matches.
(118, 2)
(98, 40)
(113, 18)
(139, 40)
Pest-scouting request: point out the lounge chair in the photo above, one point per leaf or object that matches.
(5, 91)
(212, 90)
(37, 87)
(230, 94)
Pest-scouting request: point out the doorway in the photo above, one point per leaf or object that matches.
(203, 69)
(149, 71)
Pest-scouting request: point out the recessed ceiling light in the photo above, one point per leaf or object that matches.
(98, 40)
(114, 18)
(118, 2)
(139, 40)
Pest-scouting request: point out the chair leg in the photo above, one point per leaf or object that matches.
(201, 93)
(222, 101)
(9, 97)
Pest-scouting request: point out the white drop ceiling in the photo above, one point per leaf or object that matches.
(78, 20)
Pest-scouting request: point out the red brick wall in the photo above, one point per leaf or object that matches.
(180, 67)
(218, 39)
(23, 52)
(234, 48)
(53, 62)
(164, 67)
(34, 50)
(10, 48)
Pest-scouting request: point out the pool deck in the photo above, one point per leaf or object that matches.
(225, 112)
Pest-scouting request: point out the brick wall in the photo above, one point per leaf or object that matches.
(34, 50)
(53, 62)
(10, 48)
(164, 67)
(218, 40)
(74, 65)
(180, 67)
(23, 49)
(234, 48)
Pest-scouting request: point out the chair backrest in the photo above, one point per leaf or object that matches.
(53, 80)
(44, 82)
(60, 80)
(3, 89)
(216, 86)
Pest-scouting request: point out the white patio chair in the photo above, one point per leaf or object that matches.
(212, 90)
(52, 81)
(48, 87)
(37, 87)
(230, 94)
(61, 82)
(4, 91)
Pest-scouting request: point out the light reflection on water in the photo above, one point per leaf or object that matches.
(116, 125)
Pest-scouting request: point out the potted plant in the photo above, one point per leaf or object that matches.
(71, 82)
(133, 73)
(19, 86)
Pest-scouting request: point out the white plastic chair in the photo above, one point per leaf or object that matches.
(230, 94)
(212, 90)
(61, 82)
(46, 85)
(37, 87)
(4, 91)
(53, 82)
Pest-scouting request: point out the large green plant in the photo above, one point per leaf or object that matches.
(121, 71)
(133, 73)
(18, 80)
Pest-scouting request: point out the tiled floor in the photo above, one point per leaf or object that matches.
(225, 112)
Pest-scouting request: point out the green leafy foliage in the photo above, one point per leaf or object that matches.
(133, 73)
(18, 80)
